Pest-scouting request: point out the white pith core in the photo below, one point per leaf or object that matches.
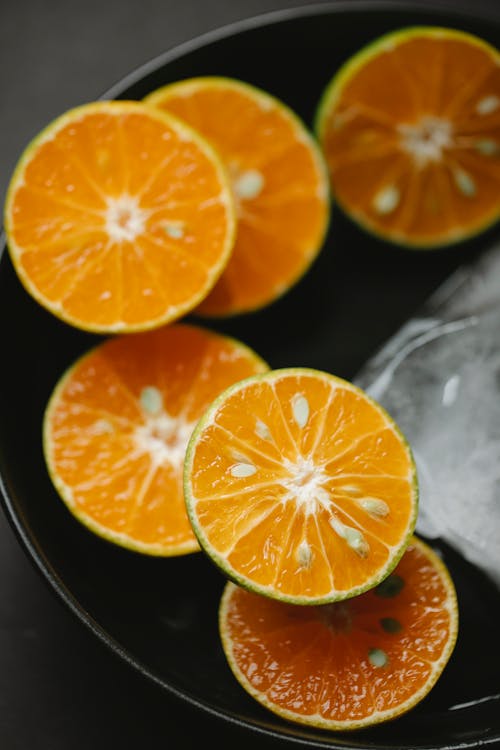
(125, 220)
(426, 139)
(305, 485)
(426, 142)
(164, 438)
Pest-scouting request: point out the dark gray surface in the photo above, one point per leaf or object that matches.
(59, 687)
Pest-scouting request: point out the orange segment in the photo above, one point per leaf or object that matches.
(279, 181)
(119, 217)
(117, 426)
(350, 664)
(410, 128)
(300, 487)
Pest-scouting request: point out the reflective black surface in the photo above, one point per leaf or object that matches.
(160, 615)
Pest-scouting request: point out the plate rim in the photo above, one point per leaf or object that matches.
(284, 14)
(15, 516)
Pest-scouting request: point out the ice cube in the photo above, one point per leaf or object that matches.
(439, 378)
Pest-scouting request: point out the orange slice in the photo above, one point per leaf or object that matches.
(410, 127)
(279, 181)
(119, 217)
(117, 426)
(300, 487)
(351, 664)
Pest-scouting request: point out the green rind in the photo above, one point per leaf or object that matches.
(269, 99)
(330, 96)
(221, 562)
(382, 716)
(64, 492)
(176, 124)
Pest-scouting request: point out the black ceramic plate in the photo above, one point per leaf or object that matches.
(161, 615)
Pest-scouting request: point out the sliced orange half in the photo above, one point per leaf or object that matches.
(117, 426)
(279, 180)
(300, 487)
(119, 217)
(351, 664)
(410, 128)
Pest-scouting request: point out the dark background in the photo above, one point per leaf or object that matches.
(59, 688)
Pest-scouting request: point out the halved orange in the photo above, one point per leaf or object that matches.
(279, 180)
(300, 487)
(117, 425)
(351, 664)
(410, 128)
(119, 217)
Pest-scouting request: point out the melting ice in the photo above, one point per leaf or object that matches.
(439, 378)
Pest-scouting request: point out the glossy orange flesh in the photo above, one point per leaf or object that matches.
(118, 218)
(301, 487)
(411, 134)
(118, 424)
(279, 180)
(348, 664)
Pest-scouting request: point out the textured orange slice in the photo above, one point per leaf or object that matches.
(119, 217)
(117, 426)
(300, 487)
(410, 127)
(279, 181)
(350, 664)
